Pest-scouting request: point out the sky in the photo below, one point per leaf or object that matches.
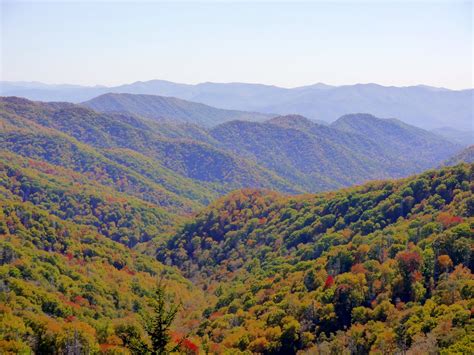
(287, 44)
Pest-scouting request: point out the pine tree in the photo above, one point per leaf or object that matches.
(159, 323)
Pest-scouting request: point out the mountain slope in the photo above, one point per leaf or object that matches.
(385, 267)
(73, 197)
(61, 150)
(354, 149)
(187, 158)
(464, 137)
(377, 268)
(464, 156)
(398, 138)
(161, 108)
(67, 286)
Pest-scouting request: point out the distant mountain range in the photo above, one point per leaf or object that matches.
(422, 106)
(464, 137)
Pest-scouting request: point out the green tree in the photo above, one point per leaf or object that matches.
(158, 324)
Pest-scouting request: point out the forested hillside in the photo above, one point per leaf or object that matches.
(385, 267)
(354, 149)
(64, 285)
(71, 196)
(194, 165)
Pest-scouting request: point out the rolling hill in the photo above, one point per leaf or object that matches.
(397, 138)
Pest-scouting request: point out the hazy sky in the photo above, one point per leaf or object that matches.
(286, 44)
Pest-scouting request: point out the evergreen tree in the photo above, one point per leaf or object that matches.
(158, 324)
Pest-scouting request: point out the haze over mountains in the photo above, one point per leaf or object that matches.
(422, 106)
(464, 137)
(464, 156)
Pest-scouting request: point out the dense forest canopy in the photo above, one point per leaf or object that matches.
(382, 267)
(385, 267)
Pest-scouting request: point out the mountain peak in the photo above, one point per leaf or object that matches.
(358, 116)
(292, 121)
(359, 120)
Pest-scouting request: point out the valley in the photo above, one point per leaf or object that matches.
(236, 178)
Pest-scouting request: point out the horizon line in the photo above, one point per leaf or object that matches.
(230, 83)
